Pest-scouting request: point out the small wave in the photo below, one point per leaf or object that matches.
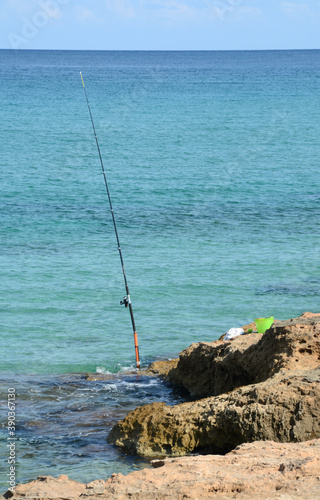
(137, 384)
(102, 370)
(111, 387)
(116, 370)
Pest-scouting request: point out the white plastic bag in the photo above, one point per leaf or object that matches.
(233, 332)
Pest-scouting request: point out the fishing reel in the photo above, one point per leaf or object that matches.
(124, 302)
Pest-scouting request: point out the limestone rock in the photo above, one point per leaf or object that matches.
(262, 387)
(48, 487)
(213, 368)
(284, 408)
(264, 470)
(161, 368)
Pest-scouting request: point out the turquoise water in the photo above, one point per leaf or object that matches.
(212, 160)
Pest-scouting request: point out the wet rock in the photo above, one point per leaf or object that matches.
(161, 368)
(93, 377)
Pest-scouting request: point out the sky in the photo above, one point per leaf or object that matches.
(160, 24)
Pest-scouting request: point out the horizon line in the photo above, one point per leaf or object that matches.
(158, 50)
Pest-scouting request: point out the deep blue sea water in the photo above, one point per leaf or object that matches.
(212, 160)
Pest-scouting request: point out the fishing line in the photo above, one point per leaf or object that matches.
(127, 300)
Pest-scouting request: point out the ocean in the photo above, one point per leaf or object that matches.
(212, 160)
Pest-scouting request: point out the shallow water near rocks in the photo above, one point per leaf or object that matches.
(63, 422)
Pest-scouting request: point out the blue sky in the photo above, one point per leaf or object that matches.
(160, 24)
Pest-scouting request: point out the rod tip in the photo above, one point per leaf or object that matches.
(82, 79)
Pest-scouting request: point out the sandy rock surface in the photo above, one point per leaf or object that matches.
(261, 470)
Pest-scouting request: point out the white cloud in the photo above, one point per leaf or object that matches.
(197, 11)
(246, 12)
(52, 8)
(250, 11)
(232, 9)
(299, 9)
(22, 6)
(180, 11)
(84, 14)
(123, 8)
(174, 10)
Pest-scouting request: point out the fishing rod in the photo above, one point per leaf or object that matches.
(126, 300)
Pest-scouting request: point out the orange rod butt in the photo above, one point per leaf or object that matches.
(135, 335)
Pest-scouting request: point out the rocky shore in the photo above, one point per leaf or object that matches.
(255, 409)
(261, 470)
(255, 387)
